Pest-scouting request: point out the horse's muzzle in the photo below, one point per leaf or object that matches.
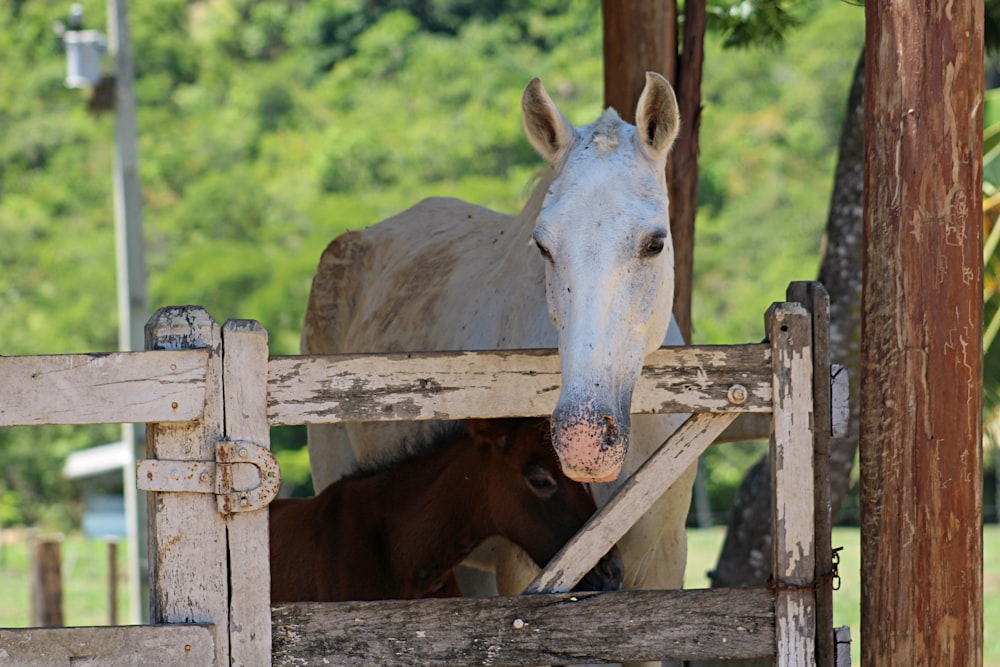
(591, 444)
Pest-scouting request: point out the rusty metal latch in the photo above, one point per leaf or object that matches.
(244, 476)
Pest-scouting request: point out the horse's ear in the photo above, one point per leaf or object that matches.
(493, 432)
(547, 129)
(657, 118)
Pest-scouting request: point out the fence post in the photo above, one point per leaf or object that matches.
(245, 382)
(814, 298)
(46, 584)
(113, 581)
(789, 329)
(187, 535)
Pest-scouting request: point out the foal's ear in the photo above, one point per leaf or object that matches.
(492, 432)
(547, 129)
(657, 119)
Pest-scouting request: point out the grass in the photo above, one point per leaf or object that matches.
(84, 575)
(704, 547)
(85, 581)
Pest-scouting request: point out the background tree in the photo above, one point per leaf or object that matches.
(745, 557)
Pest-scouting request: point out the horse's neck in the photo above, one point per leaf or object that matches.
(433, 507)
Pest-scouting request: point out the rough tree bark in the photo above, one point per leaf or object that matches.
(921, 353)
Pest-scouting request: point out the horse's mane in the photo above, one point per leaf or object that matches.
(539, 184)
(442, 435)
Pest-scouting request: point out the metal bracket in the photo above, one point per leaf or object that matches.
(226, 476)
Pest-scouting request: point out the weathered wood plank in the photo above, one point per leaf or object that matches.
(792, 496)
(187, 535)
(115, 646)
(632, 500)
(528, 629)
(121, 387)
(842, 646)
(244, 368)
(814, 298)
(370, 387)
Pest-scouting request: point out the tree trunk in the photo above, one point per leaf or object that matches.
(682, 170)
(639, 36)
(921, 352)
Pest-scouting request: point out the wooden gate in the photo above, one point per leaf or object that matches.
(210, 395)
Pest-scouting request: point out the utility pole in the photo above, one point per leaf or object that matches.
(83, 70)
(132, 302)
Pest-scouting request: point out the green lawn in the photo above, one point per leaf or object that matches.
(85, 582)
(704, 546)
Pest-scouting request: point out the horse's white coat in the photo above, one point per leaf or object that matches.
(448, 275)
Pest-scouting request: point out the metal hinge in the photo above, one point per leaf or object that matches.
(244, 476)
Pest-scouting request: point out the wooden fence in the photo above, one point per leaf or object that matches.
(209, 475)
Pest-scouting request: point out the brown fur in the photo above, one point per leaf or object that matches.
(399, 532)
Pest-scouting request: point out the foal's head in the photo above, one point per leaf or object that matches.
(530, 500)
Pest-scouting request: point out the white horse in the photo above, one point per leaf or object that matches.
(590, 253)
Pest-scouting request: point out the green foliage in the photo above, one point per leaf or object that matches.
(266, 127)
(769, 135)
(724, 468)
(745, 23)
(293, 457)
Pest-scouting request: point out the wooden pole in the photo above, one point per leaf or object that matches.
(112, 582)
(921, 354)
(639, 36)
(46, 584)
(682, 169)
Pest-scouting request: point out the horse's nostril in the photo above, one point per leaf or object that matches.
(610, 429)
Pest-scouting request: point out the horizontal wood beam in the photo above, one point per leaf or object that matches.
(114, 388)
(113, 646)
(412, 386)
(569, 628)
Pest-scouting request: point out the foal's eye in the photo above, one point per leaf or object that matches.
(542, 482)
(653, 245)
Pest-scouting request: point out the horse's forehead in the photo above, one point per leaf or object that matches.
(592, 186)
(606, 161)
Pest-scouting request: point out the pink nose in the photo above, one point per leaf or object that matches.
(590, 447)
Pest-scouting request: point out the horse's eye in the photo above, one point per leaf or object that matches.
(542, 250)
(654, 245)
(542, 482)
